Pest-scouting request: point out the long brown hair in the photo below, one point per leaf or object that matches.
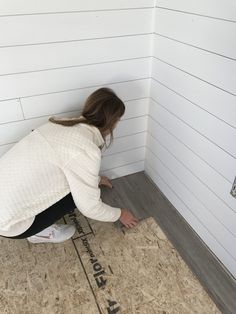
(102, 109)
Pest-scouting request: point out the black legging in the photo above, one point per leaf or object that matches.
(49, 216)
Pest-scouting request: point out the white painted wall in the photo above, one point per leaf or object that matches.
(53, 54)
(191, 142)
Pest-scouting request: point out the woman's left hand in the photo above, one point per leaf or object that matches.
(105, 181)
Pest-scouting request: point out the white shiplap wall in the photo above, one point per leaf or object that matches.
(53, 54)
(191, 142)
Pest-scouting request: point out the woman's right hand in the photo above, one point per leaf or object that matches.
(127, 218)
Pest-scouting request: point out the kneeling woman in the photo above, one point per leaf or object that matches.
(55, 169)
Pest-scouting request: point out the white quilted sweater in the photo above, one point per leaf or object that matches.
(43, 167)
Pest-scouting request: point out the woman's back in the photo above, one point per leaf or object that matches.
(31, 172)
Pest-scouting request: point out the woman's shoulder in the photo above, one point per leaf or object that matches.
(68, 141)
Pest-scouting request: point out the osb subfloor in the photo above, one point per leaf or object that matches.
(103, 269)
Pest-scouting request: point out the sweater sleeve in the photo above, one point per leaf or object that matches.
(82, 176)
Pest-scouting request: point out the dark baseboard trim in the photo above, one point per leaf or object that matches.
(211, 273)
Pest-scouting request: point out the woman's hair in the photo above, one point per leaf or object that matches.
(102, 109)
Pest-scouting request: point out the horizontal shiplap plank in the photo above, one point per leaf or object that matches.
(214, 129)
(13, 132)
(196, 30)
(125, 143)
(120, 144)
(214, 8)
(44, 6)
(166, 186)
(74, 100)
(136, 108)
(202, 94)
(34, 83)
(65, 54)
(212, 202)
(124, 170)
(120, 159)
(208, 176)
(133, 108)
(35, 29)
(223, 236)
(131, 126)
(10, 110)
(214, 69)
(215, 157)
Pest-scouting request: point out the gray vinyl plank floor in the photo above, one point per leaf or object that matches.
(138, 193)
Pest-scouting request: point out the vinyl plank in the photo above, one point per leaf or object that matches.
(138, 193)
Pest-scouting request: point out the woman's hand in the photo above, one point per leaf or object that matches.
(127, 218)
(105, 181)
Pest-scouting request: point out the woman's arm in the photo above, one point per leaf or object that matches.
(82, 176)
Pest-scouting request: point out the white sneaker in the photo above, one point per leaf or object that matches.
(55, 233)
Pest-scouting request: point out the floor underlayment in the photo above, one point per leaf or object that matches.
(103, 269)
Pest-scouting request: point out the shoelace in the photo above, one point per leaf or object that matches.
(41, 236)
(51, 233)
